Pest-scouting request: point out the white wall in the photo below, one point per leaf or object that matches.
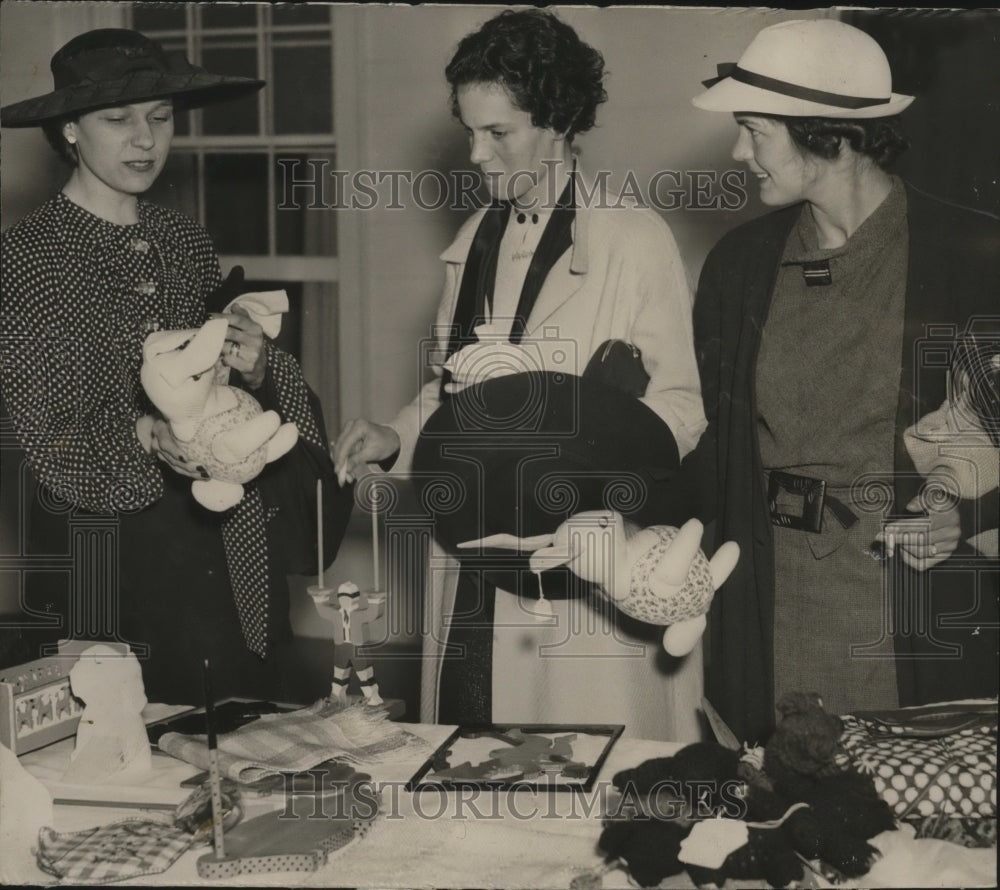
(29, 34)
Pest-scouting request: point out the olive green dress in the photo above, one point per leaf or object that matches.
(827, 385)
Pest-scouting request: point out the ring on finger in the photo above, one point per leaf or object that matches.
(234, 350)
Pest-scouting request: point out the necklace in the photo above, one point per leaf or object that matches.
(523, 252)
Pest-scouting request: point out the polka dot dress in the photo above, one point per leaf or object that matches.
(80, 295)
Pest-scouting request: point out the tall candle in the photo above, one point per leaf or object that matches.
(319, 533)
(375, 534)
(214, 779)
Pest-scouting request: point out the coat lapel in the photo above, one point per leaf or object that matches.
(567, 276)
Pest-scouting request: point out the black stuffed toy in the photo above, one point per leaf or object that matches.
(800, 802)
(803, 761)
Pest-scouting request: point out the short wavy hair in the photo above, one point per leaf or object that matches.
(546, 68)
(879, 138)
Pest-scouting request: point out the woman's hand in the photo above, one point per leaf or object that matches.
(361, 443)
(928, 540)
(169, 450)
(244, 350)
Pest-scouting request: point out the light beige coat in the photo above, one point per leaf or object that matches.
(622, 278)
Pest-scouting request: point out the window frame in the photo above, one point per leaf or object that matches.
(194, 35)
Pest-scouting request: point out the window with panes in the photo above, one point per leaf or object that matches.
(229, 161)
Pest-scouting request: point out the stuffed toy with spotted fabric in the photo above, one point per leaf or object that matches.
(220, 427)
(658, 574)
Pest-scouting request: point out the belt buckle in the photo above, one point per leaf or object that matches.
(813, 493)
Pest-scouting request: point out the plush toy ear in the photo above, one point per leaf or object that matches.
(723, 562)
(282, 441)
(229, 290)
(216, 495)
(680, 638)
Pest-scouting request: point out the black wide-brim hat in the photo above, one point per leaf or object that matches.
(116, 66)
(520, 454)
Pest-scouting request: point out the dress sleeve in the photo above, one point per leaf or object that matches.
(662, 329)
(694, 493)
(411, 419)
(79, 441)
(285, 390)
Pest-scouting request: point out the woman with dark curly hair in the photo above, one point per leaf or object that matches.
(538, 285)
(808, 324)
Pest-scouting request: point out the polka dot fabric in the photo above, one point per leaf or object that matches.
(80, 295)
(245, 539)
(955, 775)
(244, 529)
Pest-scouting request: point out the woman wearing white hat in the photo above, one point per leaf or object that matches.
(808, 323)
(85, 278)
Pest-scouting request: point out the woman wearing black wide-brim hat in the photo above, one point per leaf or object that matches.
(810, 322)
(85, 278)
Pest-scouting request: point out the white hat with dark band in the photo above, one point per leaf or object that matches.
(816, 68)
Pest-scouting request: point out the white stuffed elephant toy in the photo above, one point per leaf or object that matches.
(219, 427)
(658, 574)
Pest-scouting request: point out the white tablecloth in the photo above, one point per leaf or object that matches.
(482, 839)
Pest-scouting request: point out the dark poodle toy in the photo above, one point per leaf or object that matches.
(803, 805)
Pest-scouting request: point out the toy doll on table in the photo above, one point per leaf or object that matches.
(353, 615)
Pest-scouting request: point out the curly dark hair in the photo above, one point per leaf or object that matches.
(53, 131)
(546, 68)
(880, 138)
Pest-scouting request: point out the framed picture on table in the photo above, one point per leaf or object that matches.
(537, 757)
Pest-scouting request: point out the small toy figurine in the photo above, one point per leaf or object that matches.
(352, 613)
